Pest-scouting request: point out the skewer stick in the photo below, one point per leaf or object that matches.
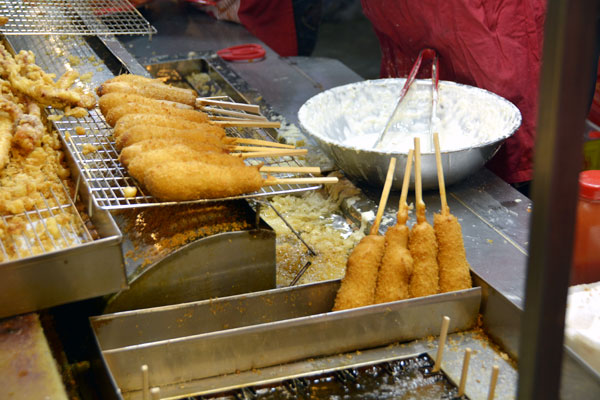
(465, 370)
(299, 181)
(232, 113)
(418, 187)
(145, 383)
(493, 382)
(201, 101)
(261, 142)
(279, 153)
(384, 196)
(248, 124)
(402, 206)
(155, 393)
(256, 149)
(441, 344)
(440, 174)
(302, 170)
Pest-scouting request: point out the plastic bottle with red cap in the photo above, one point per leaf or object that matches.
(586, 254)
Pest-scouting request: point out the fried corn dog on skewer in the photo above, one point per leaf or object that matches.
(358, 285)
(422, 243)
(396, 268)
(113, 100)
(152, 88)
(455, 271)
(129, 120)
(113, 115)
(141, 132)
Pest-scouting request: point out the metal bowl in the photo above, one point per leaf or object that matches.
(346, 120)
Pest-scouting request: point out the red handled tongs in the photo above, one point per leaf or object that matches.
(429, 53)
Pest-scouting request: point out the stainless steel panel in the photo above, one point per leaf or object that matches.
(271, 338)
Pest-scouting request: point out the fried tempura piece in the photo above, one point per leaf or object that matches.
(138, 133)
(138, 148)
(3, 20)
(423, 249)
(452, 259)
(29, 129)
(191, 180)
(6, 135)
(152, 89)
(67, 79)
(130, 120)
(113, 115)
(113, 100)
(396, 268)
(358, 286)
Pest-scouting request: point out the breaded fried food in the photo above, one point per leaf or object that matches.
(423, 249)
(396, 269)
(152, 89)
(29, 129)
(134, 79)
(6, 134)
(191, 180)
(455, 271)
(113, 100)
(138, 148)
(138, 133)
(165, 121)
(358, 285)
(114, 114)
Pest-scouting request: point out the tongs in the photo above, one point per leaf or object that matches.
(430, 53)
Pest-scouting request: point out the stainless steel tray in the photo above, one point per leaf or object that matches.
(209, 338)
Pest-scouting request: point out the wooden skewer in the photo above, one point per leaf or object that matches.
(465, 370)
(304, 170)
(233, 113)
(155, 393)
(440, 174)
(145, 383)
(493, 382)
(201, 101)
(261, 149)
(261, 142)
(280, 153)
(418, 187)
(248, 124)
(223, 118)
(441, 344)
(402, 206)
(299, 181)
(389, 178)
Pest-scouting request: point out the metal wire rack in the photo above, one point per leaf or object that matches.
(56, 226)
(73, 17)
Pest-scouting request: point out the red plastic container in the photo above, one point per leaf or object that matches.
(586, 254)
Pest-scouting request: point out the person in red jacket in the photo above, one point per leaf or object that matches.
(494, 44)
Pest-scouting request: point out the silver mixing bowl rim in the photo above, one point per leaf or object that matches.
(510, 132)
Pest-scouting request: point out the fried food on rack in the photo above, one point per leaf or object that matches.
(134, 79)
(455, 271)
(113, 115)
(29, 129)
(113, 100)
(3, 20)
(29, 79)
(191, 180)
(150, 88)
(138, 133)
(130, 120)
(138, 149)
(6, 135)
(358, 285)
(423, 249)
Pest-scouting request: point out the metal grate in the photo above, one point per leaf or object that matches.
(56, 226)
(108, 181)
(73, 17)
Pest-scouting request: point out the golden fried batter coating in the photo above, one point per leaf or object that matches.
(358, 286)
(112, 100)
(114, 114)
(6, 134)
(396, 268)
(154, 90)
(191, 180)
(133, 79)
(423, 249)
(135, 149)
(130, 120)
(455, 271)
(138, 133)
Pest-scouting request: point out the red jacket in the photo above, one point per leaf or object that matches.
(493, 44)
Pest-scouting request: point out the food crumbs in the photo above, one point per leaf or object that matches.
(88, 148)
(129, 191)
(80, 130)
(490, 241)
(55, 117)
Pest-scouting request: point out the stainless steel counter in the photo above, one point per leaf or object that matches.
(494, 216)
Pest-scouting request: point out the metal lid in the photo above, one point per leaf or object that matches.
(589, 184)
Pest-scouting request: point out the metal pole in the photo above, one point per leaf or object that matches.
(568, 60)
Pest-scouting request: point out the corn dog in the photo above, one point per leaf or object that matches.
(130, 152)
(152, 89)
(422, 243)
(112, 100)
(113, 115)
(138, 133)
(129, 120)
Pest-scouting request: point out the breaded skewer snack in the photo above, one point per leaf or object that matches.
(113, 100)
(129, 120)
(114, 114)
(146, 87)
(358, 286)
(455, 272)
(422, 243)
(397, 264)
(208, 134)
